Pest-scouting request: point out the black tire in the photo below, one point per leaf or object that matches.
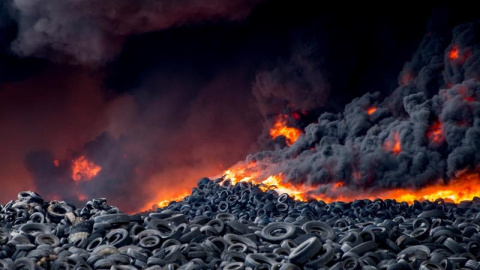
(255, 260)
(322, 229)
(166, 229)
(47, 239)
(150, 242)
(104, 251)
(305, 251)
(234, 266)
(94, 243)
(278, 231)
(420, 252)
(327, 254)
(112, 219)
(35, 229)
(118, 238)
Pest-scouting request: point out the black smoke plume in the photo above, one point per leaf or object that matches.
(427, 130)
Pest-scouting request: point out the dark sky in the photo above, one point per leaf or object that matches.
(164, 92)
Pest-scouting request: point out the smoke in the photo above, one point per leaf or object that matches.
(152, 150)
(175, 105)
(297, 84)
(415, 137)
(92, 32)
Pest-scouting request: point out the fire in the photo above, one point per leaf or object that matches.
(460, 189)
(394, 145)
(83, 169)
(56, 163)
(250, 173)
(371, 110)
(280, 128)
(453, 54)
(164, 203)
(464, 187)
(435, 133)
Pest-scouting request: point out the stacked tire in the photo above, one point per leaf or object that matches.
(225, 226)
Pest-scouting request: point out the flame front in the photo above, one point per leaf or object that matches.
(459, 189)
(84, 170)
(371, 110)
(280, 128)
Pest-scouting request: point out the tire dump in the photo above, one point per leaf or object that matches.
(226, 226)
(325, 161)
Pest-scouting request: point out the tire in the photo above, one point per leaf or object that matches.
(305, 251)
(278, 231)
(150, 242)
(118, 238)
(326, 255)
(322, 229)
(47, 239)
(113, 219)
(255, 260)
(35, 229)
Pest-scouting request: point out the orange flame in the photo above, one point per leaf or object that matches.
(165, 203)
(435, 133)
(394, 145)
(453, 54)
(462, 188)
(280, 128)
(83, 169)
(371, 110)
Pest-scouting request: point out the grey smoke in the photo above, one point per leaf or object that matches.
(92, 31)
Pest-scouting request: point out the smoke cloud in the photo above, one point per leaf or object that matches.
(413, 138)
(92, 32)
(150, 151)
(192, 96)
(297, 84)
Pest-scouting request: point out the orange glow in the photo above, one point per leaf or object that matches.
(453, 54)
(82, 197)
(83, 169)
(251, 173)
(164, 203)
(280, 128)
(435, 133)
(338, 184)
(56, 163)
(394, 145)
(371, 110)
(462, 188)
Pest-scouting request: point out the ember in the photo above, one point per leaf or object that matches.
(371, 110)
(453, 54)
(393, 145)
(435, 133)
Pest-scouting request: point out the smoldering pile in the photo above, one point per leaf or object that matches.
(225, 226)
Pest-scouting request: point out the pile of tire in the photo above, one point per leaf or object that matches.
(225, 226)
